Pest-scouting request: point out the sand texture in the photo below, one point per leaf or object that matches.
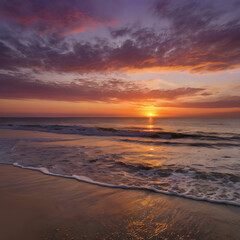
(37, 206)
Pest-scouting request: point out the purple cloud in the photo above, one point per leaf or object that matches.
(114, 90)
(54, 16)
(199, 36)
(224, 102)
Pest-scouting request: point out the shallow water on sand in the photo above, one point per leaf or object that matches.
(195, 158)
(36, 206)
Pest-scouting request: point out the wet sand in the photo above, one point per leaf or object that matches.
(37, 206)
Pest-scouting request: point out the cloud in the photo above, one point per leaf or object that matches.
(112, 90)
(224, 102)
(63, 16)
(198, 36)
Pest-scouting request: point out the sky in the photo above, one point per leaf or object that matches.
(121, 58)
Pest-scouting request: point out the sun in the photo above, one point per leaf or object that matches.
(150, 114)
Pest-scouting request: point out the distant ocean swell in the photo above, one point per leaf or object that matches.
(156, 133)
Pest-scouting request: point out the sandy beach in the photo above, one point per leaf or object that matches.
(38, 206)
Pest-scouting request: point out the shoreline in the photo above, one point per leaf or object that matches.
(126, 187)
(39, 206)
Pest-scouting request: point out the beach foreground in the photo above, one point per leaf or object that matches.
(38, 206)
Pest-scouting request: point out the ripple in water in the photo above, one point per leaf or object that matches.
(202, 165)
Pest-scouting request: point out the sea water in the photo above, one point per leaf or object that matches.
(193, 158)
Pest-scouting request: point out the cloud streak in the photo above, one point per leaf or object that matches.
(114, 90)
(224, 102)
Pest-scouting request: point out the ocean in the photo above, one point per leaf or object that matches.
(191, 158)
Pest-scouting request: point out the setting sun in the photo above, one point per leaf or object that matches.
(150, 114)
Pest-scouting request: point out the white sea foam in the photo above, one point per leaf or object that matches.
(89, 180)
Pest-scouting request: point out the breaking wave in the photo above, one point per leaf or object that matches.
(155, 133)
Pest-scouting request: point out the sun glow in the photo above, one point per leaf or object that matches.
(150, 112)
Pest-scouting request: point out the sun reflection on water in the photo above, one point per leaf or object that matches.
(150, 124)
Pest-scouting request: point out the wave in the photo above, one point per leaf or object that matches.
(191, 144)
(155, 133)
(89, 180)
(172, 168)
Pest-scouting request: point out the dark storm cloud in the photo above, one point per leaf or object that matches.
(21, 87)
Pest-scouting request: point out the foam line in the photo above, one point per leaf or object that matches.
(88, 180)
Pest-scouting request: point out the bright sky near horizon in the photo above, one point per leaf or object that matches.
(170, 58)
